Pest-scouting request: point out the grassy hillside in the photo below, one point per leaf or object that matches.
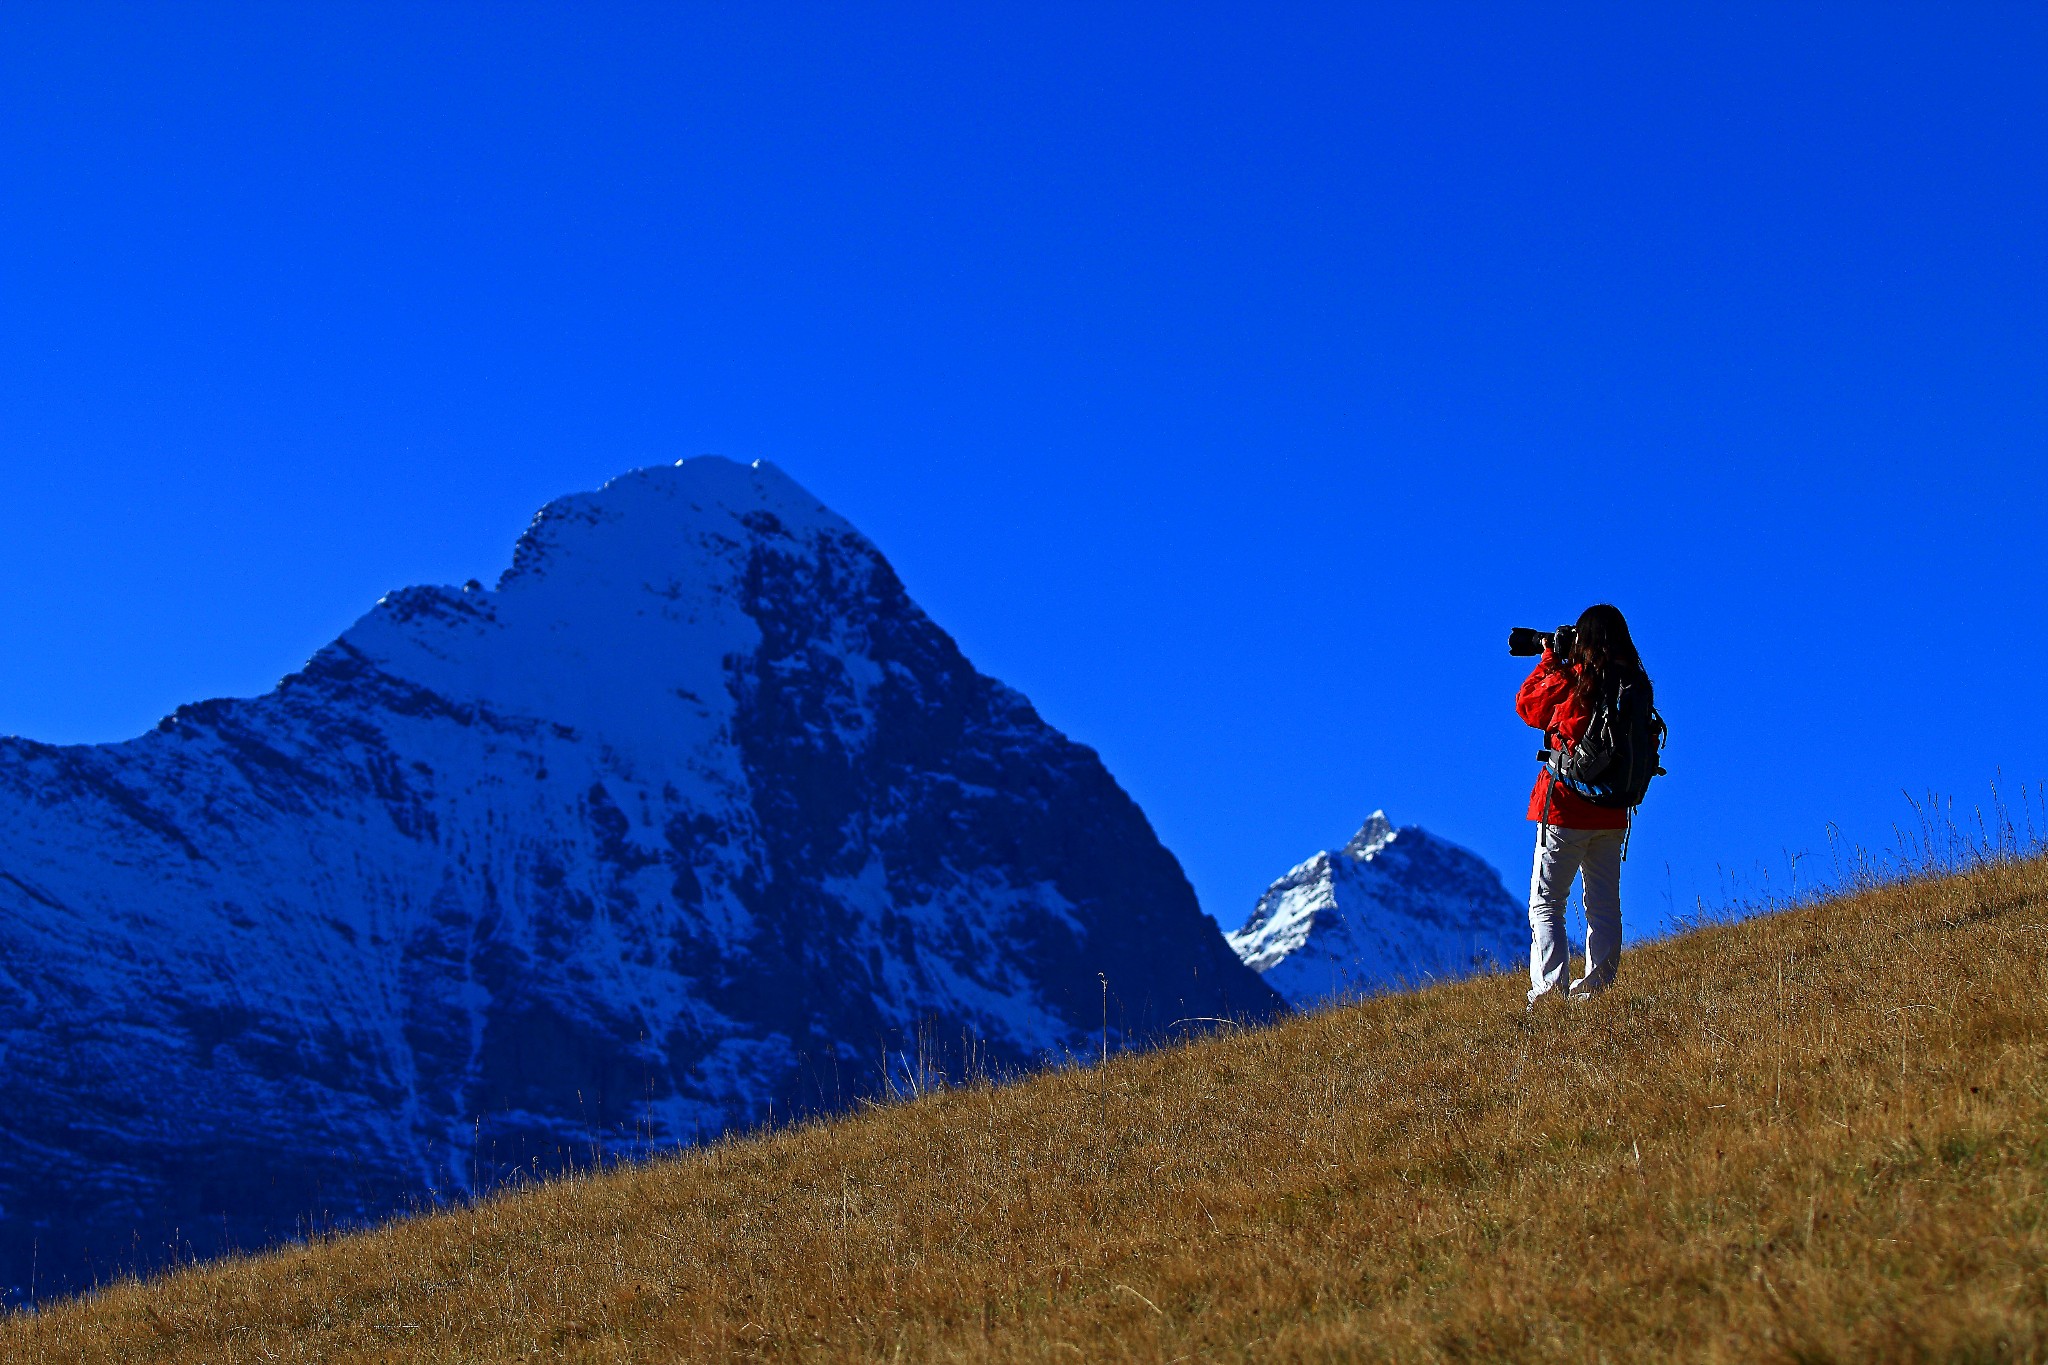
(1817, 1136)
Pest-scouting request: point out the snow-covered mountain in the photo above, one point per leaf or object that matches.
(693, 820)
(1392, 908)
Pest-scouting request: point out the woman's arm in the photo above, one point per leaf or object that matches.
(1546, 686)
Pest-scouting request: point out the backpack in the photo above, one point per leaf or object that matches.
(1618, 755)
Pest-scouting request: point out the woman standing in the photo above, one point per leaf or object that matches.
(1576, 836)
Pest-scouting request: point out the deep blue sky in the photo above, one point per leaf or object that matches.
(1229, 380)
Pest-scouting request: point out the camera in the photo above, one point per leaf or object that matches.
(1524, 641)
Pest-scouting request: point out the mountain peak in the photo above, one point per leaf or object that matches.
(622, 606)
(1393, 907)
(695, 819)
(654, 516)
(1375, 834)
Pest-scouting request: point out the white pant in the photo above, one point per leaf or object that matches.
(1561, 854)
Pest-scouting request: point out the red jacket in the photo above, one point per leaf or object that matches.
(1546, 702)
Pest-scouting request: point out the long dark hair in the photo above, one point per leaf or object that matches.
(1603, 654)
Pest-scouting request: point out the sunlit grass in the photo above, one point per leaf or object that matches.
(1816, 1135)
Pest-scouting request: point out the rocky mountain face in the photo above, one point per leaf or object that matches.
(693, 821)
(1392, 908)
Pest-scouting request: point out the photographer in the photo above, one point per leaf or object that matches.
(1591, 698)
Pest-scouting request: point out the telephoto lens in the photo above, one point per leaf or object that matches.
(1525, 642)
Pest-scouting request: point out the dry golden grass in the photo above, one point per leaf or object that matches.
(1821, 1135)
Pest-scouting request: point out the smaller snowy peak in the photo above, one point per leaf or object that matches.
(1393, 908)
(1375, 834)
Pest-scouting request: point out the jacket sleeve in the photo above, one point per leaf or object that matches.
(1545, 687)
